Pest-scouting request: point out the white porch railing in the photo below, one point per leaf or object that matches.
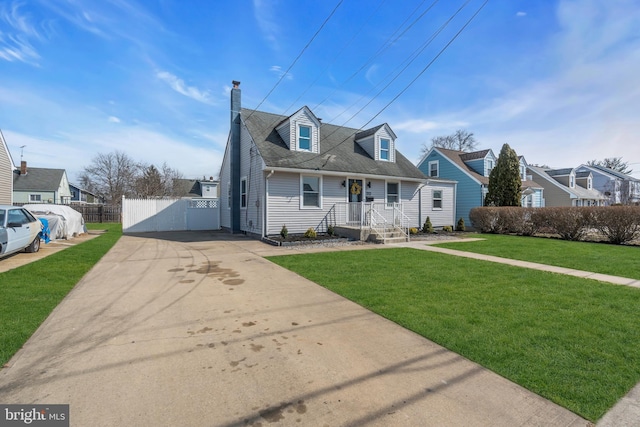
(376, 216)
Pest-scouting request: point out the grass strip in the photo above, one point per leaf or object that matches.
(617, 260)
(570, 340)
(29, 293)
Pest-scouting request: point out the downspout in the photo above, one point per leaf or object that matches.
(265, 210)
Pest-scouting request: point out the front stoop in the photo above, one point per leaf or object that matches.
(392, 236)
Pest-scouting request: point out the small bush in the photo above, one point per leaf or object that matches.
(427, 227)
(447, 228)
(619, 224)
(330, 230)
(460, 225)
(413, 230)
(284, 232)
(310, 233)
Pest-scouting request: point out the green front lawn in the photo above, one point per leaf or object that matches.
(29, 293)
(602, 258)
(571, 340)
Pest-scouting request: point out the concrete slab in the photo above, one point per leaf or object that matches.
(191, 329)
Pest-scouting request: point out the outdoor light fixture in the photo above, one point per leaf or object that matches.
(369, 184)
(344, 183)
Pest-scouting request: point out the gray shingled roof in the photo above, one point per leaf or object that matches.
(338, 150)
(614, 172)
(557, 172)
(473, 155)
(38, 179)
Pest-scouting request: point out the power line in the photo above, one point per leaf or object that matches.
(299, 55)
(446, 46)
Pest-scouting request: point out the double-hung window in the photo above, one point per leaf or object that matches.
(304, 138)
(243, 193)
(434, 169)
(385, 145)
(35, 198)
(310, 191)
(437, 199)
(392, 192)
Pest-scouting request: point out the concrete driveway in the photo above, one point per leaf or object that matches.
(197, 329)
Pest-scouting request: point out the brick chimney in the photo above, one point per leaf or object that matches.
(23, 167)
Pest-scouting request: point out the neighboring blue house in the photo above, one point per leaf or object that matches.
(471, 171)
(78, 195)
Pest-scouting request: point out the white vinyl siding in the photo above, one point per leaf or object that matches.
(6, 175)
(445, 215)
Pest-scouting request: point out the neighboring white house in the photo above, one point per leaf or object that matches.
(566, 187)
(616, 186)
(41, 185)
(6, 174)
(302, 173)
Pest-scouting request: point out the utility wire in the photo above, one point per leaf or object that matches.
(299, 55)
(446, 46)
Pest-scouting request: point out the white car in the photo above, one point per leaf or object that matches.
(19, 230)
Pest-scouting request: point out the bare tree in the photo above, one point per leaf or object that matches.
(111, 176)
(613, 163)
(460, 140)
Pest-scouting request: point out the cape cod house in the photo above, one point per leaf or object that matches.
(618, 188)
(40, 185)
(566, 187)
(471, 171)
(298, 172)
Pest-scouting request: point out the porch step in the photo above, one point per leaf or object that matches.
(391, 237)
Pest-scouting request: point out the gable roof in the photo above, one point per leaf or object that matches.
(456, 157)
(577, 192)
(38, 179)
(338, 150)
(612, 172)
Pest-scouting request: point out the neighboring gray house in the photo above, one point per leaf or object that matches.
(565, 187)
(302, 173)
(40, 185)
(206, 188)
(6, 174)
(618, 187)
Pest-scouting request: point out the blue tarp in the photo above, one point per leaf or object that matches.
(45, 234)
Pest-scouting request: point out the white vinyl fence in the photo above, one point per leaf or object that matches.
(145, 215)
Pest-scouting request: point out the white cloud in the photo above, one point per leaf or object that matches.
(113, 119)
(421, 126)
(521, 14)
(267, 21)
(276, 69)
(179, 86)
(15, 42)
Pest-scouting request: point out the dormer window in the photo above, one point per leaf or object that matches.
(489, 167)
(572, 181)
(589, 183)
(304, 138)
(384, 148)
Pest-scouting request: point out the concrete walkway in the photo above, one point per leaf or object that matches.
(616, 280)
(196, 329)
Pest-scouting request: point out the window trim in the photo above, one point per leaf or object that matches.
(385, 150)
(309, 138)
(35, 197)
(386, 193)
(434, 199)
(437, 163)
(302, 192)
(244, 202)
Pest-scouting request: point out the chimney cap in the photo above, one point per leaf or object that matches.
(236, 84)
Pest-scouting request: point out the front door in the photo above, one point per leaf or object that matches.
(355, 201)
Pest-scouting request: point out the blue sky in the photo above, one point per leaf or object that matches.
(558, 80)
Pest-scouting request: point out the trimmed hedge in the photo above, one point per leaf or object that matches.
(617, 224)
